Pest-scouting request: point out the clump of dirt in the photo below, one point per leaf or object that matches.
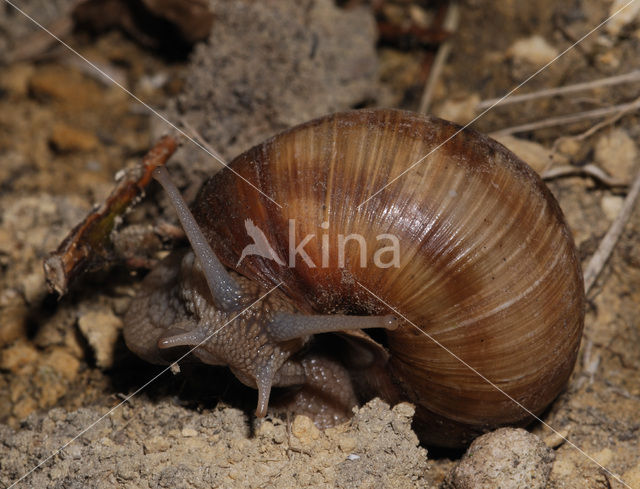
(165, 445)
(267, 67)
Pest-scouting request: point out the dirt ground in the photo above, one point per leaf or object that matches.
(66, 131)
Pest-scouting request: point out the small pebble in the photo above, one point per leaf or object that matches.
(304, 430)
(611, 205)
(570, 147)
(555, 439)
(101, 329)
(532, 153)
(534, 50)
(621, 14)
(616, 153)
(346, 443)
(34, 287)
(156, 444)
(461, 109)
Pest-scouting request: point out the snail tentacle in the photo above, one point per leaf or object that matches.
(182, 334)
(288, 326)
(264, 381)
(224, 289)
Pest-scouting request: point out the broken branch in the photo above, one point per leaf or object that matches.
(88, 246)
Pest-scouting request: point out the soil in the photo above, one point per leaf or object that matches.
(65, 132)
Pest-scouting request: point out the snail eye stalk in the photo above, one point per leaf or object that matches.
(226, 293)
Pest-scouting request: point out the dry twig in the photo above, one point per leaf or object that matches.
(619, 110)
(591, 131)
(450, 24)
(600, 257)
(590, 170)
(88, 246)
(633, 76)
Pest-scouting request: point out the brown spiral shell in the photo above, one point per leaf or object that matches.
(487, 264)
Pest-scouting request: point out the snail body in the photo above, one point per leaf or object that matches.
(464, 264)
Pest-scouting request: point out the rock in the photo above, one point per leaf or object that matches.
(611, 206)
(460, 109)
(623, 13)
(34, 287)
(509, 458)
(532, 153)
(616, 153)
(346, 443)
(101, 329)
(534, 50)
(420, 16)
(570, 147)
(556, 438)
(68, 139)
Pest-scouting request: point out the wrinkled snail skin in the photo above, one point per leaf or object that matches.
(486, 263)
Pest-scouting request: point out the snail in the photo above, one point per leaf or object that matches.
(476, 279)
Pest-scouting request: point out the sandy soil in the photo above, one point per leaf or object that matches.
(65, 133)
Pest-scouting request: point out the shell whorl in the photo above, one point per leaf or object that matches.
(487, 264)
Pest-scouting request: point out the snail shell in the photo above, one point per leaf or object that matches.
(487, 265)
